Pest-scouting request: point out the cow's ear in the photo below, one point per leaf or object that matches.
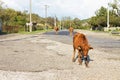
(90, 47)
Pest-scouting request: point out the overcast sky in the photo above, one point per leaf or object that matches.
(82, 9)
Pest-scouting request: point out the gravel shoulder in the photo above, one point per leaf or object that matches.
(53, 60)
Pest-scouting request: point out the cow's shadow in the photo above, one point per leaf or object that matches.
(83, 59)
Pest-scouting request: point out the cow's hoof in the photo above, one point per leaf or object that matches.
(80, 63)
(87, 66)
(73, 60)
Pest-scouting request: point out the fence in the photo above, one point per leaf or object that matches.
(10, 29)
(112, 29)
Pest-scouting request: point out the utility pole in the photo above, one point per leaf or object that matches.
(30, 28)
(46, 6)
(108, 17)
(55, 21)
(63, 22)
(70, 23)
(60, 25)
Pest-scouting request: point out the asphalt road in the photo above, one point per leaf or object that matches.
(24, 53)
(48, 57)
(100, 42)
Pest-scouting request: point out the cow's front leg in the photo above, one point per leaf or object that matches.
(70, 33)
(80, 58)
(73, 56)
(56, 32)
(86, 61)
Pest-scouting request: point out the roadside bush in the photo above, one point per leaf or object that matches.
(39, 27)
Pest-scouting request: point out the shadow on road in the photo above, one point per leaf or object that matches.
(83, 59)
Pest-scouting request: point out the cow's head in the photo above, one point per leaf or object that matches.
(84, 50)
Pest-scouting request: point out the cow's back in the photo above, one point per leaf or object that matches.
(79, 39)
(56, 28)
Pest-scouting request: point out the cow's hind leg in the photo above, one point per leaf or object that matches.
(80, 58)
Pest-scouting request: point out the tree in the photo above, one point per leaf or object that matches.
(66, 22)
(76, 23)
(101, 12)
(99, 21)
(50, 21)
(115, 13)
(1, 4)
(1, 10)
(115, 6)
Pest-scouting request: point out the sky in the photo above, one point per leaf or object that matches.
(82, 9)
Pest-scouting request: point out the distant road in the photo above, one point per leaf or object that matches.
(106, 44)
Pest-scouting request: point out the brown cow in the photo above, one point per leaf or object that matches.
(71, 31)
(80, 43)
(56, 29)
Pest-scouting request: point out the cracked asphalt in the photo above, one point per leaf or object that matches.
(48, 57)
